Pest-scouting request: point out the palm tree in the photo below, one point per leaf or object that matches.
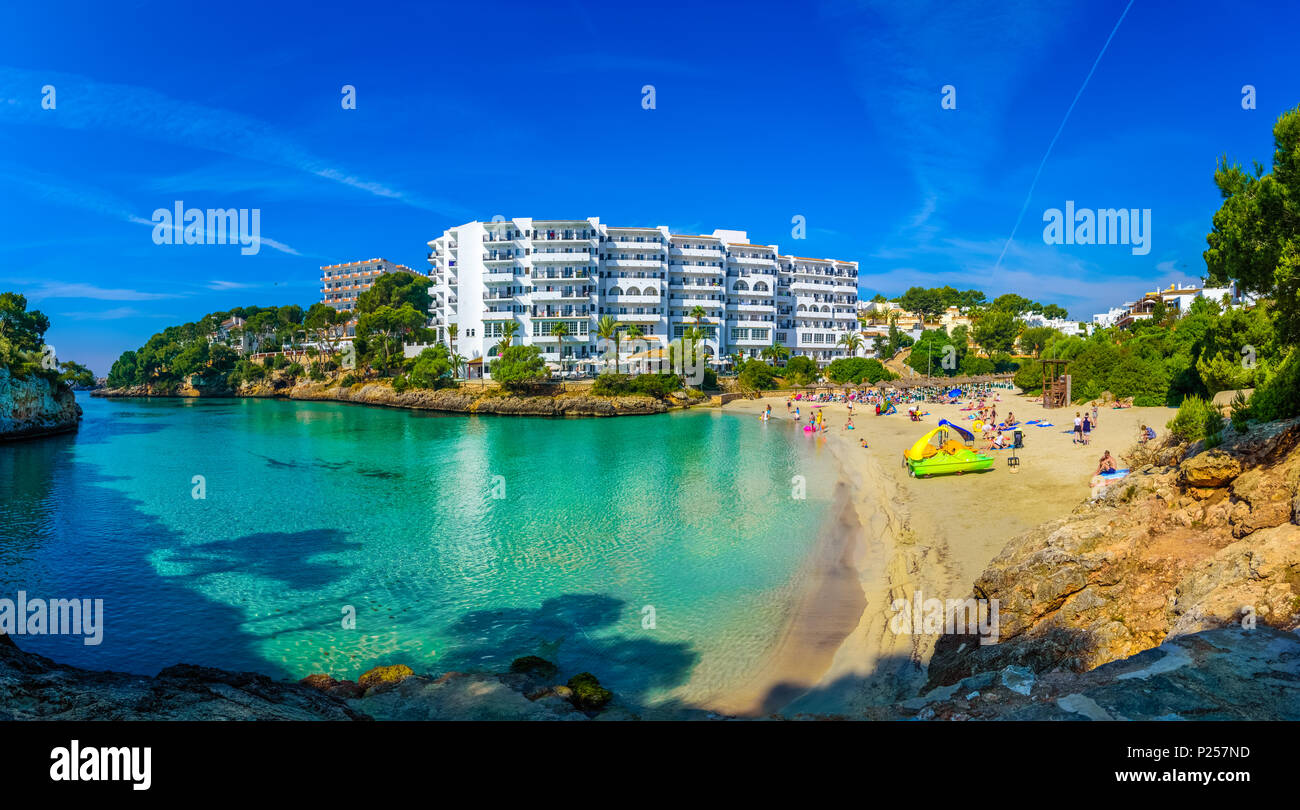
(607, 328)
(776, 353)
(453, 330)
(456, 361)
(559, 331)
(851, 341)
(508, 331)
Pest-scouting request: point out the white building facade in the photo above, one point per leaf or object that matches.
(744, 297)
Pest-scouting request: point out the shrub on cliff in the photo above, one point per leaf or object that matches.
(1279, 396)
(651, 385)
(519, 367)
(1196, 419)
(431, 368)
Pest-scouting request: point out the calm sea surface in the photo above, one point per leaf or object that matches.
(458, 542)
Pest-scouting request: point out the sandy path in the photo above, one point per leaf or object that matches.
(935, 535)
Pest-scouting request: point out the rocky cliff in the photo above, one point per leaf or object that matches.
(1191, 540)
(35, 406)
(36, 688)
(466, 399)
(1223, 674)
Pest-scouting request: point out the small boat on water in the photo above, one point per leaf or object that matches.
(936, 453)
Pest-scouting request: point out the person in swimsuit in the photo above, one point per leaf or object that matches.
(1106, 464)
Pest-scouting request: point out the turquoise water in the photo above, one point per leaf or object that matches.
(314, 507)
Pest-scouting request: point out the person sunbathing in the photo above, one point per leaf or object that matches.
(999, 442)
(1106, 464)
(1011, 419)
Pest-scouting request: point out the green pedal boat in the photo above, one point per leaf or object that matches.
(937, 454)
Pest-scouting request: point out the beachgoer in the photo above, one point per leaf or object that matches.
(1078, 429)
(1087, 429)
(1106, 464)
(1147, 434)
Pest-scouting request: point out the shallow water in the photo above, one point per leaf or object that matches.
(458, 542)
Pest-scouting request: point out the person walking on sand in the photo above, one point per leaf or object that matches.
(1094, 414)
(1078, 429)
(1087, 429)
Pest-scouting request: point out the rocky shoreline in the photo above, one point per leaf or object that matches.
(465, 399)
(1192, 540)
(34, 407)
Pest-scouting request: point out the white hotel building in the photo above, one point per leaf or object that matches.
(537, 272)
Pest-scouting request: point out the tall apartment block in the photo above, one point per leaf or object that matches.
(342, 283)
(539, 272)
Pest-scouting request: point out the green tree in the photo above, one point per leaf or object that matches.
(800, 370)
(389, 325)
(996, 330)
(432, 368)
(560, 331)
(924, 303)
(76, 375)
(396, 290)
(1034, 339)
(608, 329)
(1255, 239)
(852, 342)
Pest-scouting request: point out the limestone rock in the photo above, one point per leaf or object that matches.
(34, 406)
(1213, 468)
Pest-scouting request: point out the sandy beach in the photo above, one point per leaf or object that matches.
(892, 535)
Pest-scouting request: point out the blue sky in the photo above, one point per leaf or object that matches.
(763, 112)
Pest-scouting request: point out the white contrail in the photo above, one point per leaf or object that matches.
(1043, 162)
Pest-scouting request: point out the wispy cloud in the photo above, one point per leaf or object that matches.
(115, 314)
(217, 284)
(139, 112)
(57, 289)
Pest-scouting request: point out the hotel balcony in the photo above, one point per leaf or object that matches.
(695, 269)
(575, 294)
(576, 256)
(752, 260)
(690, 287)
(626, 244)
(632, 299)
(497, 314)
(653, 264)
(751, 306)
(560, 238)
(703, 253)
(638, 317)
(500, 278)
(687, 303)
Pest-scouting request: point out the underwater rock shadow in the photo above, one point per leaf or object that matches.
(279, 556)
(572, 630)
